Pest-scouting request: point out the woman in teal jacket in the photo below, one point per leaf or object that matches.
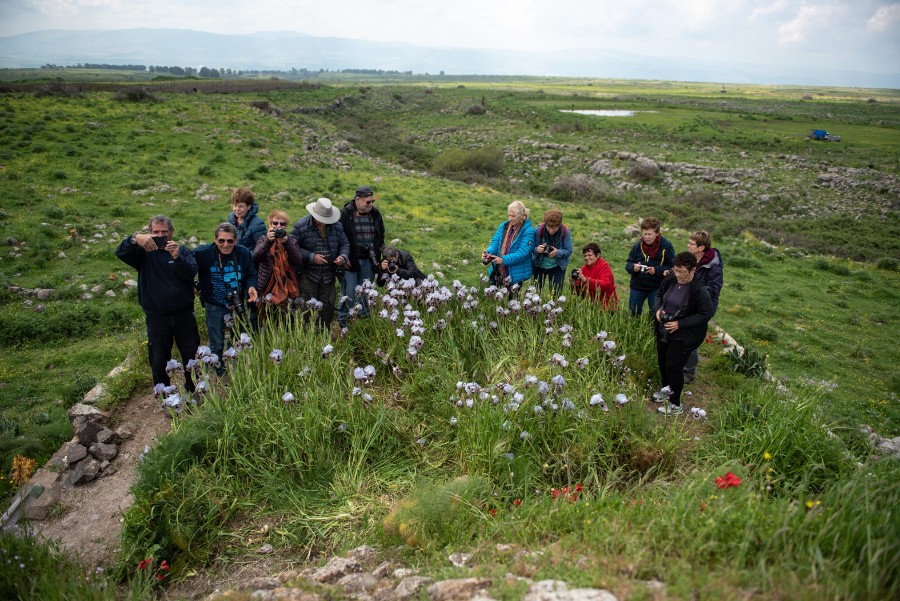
(510, 251)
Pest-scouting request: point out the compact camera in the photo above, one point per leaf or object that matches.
(575, 272)
(644, 268)
(488, 258)
(280, 232)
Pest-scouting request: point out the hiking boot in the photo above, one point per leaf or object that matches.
(662, 394)
(670, 409)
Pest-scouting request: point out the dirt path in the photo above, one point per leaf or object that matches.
(89, 518)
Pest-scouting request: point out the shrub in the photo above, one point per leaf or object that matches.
(135, 95)
(487, 160)
(888, 264)
(579, 186)
(644, 169)
(831, 266)
(743, 261)
(476, 109)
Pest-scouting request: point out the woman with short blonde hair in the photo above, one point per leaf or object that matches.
(510, 250)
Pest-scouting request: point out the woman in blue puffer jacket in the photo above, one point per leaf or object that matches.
(510, 251)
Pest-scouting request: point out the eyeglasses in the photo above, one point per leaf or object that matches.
(691, 243)
(225, 241)
(279, 223)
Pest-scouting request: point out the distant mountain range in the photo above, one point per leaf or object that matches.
(286, 50)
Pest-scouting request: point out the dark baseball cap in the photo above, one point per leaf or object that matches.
(364, 191)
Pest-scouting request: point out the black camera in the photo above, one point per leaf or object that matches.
(547, 250)
(392, 265)
(234, 303)
(280, 232)
(488, 258)
(665, 317)
(575, 272)
(368, 251)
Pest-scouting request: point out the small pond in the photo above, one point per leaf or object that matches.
(607, 113)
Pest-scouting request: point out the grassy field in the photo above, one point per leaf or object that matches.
(811, 278)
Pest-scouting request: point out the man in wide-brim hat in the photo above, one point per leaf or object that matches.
(325, 251)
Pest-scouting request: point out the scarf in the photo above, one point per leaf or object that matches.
(651, 251)
(707, 257)
(509, 237)
(283, 282)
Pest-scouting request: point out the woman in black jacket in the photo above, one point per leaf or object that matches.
(683, 311)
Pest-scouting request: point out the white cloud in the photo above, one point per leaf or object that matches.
(809, 22)
(886, 18)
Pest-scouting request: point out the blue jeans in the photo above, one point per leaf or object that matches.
(636, 300)
(351, 281)
(215, 328)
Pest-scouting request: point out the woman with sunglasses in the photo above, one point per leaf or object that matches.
(278, 262)
(227, 278)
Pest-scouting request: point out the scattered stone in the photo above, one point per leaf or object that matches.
(75, 454)
(104, 452)
(88, 411)
(556, 590)
(124, 432)
(109, 293)
(262, 583)
(87, 432)
(43, 293)
(84, 471)
(382, 570)
(107, 436)
(266, 549)
(460, 560)
(409, 587)
(109, 471)
(336, 568)
(401, 573)
(38, 509)
(458, 589)
(130, 283)
(364, 554)
(354, 584)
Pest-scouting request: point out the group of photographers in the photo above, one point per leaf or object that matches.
(260, 263)
(681, 290)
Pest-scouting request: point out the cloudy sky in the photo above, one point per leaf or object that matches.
(861, 35)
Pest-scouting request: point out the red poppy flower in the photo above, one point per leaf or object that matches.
(160, 576)
(702, 505)
(728, 481)
(143, 565)
(723, 341)
(517, 502)
(554, 493)
(493, 513)
(578, 488)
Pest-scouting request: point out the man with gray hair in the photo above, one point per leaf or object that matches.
(227, 278)
(166, 273)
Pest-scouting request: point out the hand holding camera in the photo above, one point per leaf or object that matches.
(487, 257)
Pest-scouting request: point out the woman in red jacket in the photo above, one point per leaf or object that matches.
(595, 278)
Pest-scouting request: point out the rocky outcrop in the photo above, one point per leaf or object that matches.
(361, 576)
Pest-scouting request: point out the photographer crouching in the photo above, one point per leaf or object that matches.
(400, 263)
(227, 277)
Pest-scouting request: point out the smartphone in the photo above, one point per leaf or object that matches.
(161, 242)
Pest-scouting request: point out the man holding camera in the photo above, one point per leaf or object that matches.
(166, 273)
(324, 248)
(400, 263)
(364, 228)
(227, 277)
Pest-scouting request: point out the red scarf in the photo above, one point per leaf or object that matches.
(708, 256)
(653, 250)
(283, 282)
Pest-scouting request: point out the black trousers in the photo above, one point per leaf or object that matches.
(671, 357)
(162, 330)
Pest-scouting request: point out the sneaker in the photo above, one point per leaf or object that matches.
(662, 394)
(689, 377)
(670, 409)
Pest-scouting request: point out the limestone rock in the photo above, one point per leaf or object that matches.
(354, 584)
(458, 589)
(409, 587)
(556, 590)
(460, 560)
(39, 508)
(87, 411)
(336, 568)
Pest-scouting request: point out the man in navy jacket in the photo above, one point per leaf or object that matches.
(166, 273)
